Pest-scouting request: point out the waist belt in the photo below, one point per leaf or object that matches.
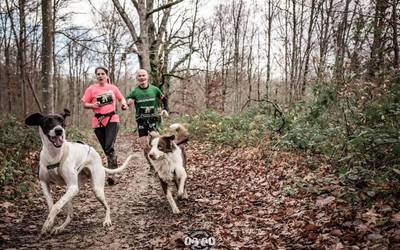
(148, 117)
(101, 117)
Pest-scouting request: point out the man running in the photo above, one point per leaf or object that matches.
(146, 98)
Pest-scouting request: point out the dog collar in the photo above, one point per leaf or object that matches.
(52, 166)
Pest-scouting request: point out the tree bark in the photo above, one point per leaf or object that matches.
(324, 40)
(340, 44)
(47, 52)
(22, 54)
(308, 48)
(237, 16)
(395, 23)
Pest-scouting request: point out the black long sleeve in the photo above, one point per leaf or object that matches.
(164, 100)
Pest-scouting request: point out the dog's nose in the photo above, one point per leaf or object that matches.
(152, 156)
(58, 131)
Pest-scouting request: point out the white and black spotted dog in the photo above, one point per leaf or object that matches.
(67, 163)
(167, 154)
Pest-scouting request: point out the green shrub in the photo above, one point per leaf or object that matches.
(244, 128)
(357, 126)
(16, 142)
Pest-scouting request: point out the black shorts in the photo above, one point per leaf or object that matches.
(145, 126)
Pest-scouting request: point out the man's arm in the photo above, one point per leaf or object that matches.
(164, 100)
(130, 98)
(130, 101)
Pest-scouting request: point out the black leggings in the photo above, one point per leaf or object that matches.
(107, 136)
(145, 126)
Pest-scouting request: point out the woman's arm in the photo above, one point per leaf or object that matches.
(88, 105)
(120, 98)
(124, 105)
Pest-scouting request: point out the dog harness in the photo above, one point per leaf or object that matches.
(56, 165)
(182, 142)
(100, 117)
(52, 166)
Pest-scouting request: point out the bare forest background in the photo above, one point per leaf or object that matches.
(292, 105)
(224, 57)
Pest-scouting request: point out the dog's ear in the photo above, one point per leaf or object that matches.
(66, 113)
(169, 139)
(34, 119)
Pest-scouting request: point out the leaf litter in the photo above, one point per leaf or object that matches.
(247, 198)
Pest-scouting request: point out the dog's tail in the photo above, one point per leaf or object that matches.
(120, 169)
(182, 135)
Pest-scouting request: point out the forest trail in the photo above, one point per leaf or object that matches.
(136, 202)
(246, 198)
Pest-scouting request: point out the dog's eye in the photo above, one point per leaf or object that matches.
(61, 121)
(159, 147)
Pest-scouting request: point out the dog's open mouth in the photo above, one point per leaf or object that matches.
(57, 140)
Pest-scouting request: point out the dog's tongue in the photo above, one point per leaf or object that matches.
(58, 141)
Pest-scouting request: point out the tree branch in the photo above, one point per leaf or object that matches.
(34, 94)
(165, 6)
(126, 19)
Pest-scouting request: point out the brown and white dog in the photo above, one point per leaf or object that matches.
(167, 154)
(68, 164)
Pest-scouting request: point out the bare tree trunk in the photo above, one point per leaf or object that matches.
(10, 93)
(250, 65)
(236, 57)
(324, 40)
(71, 90)
(340, 44)
(286, 61)
(308, 48)
(187, 80)
(294, 52)
(259, 71)
(269, 18)
(395, 23)
(206, 52)
(22, 53)
(299, 58)
(223, 43)
(55, 78)
(47, 52)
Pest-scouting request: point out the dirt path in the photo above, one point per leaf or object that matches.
(136, 207)
(247, 198)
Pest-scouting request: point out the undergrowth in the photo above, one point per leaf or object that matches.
(356, 126)
(246, 128)
(19, 156)
(16, 143)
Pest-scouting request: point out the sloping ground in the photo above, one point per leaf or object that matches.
(274, 200)
(245, 199)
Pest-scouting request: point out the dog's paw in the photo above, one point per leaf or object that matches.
(182, 195)
(45, 230)
(110, 181)
(176, 211)
(107, 223)
(57, 230)
(47, 226)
